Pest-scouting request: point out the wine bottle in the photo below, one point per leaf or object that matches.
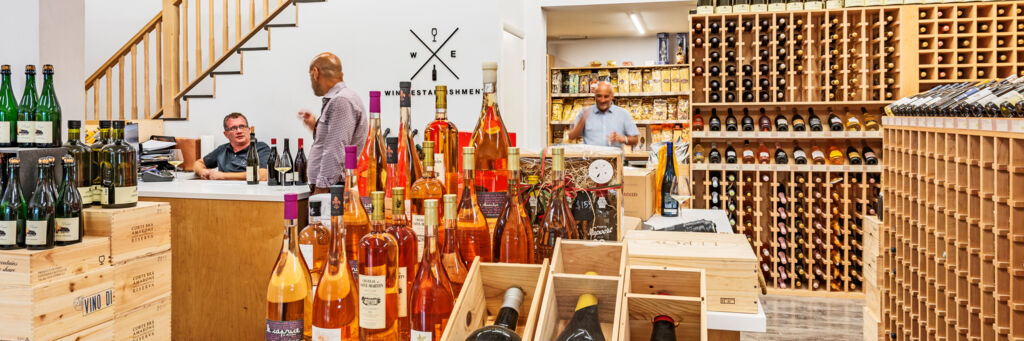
(817, 155)
(335, 303)
(730, 153)
(799, 156)
(584, 324)
(513, 234)
(432, 296)
(451, 257)
(252, 159)
(714, 156)
(834, 122)
(669, 206)
(698, 121)
(813, 120)
(120, 167)
(490, 138)
(409, 169)
(730, 122)
(853, 155)
(68, 208)
(445, 137)
(714, 123)
(748, 153)
(13, 209)
(95, 148)
(355, 218)
(273, 174)
(698, 154)
(605, 219)
(289, 294)
(427, 187)
(852, 122)
(763, 156)
(27, 110)
(781, 157)
(83, 161)
(314, 240)
(869, 156)
(299, 166)
(378, 278)
(664, 328)
(835, 156)
(370, 168)
(408, 256)
(47, 115)
(747, 121)
(870, 122)
(8, 109)
(504, 327)
(558, 220)
(472, 234)
(287, 174)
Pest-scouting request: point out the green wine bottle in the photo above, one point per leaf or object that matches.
(584, 325)
(83, 161)
(47, 117)
(39, 223)
(97, 176)
(13, 209)
(27, 110)
(120, 168)
(68, 210)
(8, 109)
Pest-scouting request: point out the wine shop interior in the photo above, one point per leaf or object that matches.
(542, 170)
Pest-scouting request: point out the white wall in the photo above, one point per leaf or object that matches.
(19, 22)
(638, 50)
(62, 43)
(110, 23)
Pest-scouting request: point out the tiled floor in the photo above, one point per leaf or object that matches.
(810, 318)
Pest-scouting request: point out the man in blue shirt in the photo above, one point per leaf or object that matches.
(605, 124)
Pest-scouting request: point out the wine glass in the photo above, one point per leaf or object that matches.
(282, 165)
(175, 158)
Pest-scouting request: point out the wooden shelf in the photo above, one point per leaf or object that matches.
(786, 135)
(787, 105)
(785, 168)
(626, 94)
(638, 122)
(618, 67)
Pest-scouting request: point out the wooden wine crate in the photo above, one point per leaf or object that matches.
(51, 309)
(149, 322)
(652, 291)
(562, 293)
(142, 280)
(580, 257)
(100, 332)
(26, 268)
(728, 261)
(484, 290)
(134, 232)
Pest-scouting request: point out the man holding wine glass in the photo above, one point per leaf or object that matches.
(228, 161)
(605, 124)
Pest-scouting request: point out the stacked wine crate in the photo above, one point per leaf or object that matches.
(952, 242)
(969, 41)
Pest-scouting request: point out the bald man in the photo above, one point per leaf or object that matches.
(605, 124)
(342, 122)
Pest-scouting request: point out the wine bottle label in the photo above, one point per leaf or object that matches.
(307, 254)
(284, 330)
(122, 195)
(8, 232)
(95, 192)
(26, 131)
(249, 173)
(371, 301)
(35, 232)
(419, 224)
(764, 155)
(327, 333)
(417, 335)
(817, 154)
(748, 152)
(67, 229)
(86, 193)
(403, 287)
(5, 132)
(44, 132)
(799, 154)
(852, 119)
(869, 155)
(353, 265)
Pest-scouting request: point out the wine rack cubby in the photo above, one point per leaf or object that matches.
(969, 41)
(952, 241)
(839, 55)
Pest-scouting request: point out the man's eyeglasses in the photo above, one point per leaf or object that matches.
(241, 127)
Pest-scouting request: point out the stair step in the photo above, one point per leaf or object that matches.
(259, 42)
(289, 17)
(205, 89)
(231, 66)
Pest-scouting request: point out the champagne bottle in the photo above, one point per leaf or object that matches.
(27, 110)
(83, 161)
(378, 278)
(68, 208)
(504, 327)
(299, 167)
(513, 234)
(8, 109)
(335, 303)
(669, 206)
(120, 167)
(664, 329)
(289, 294)
(408, 256)
(47, 115)
(13, 209)
(584, 324)
(433, 297)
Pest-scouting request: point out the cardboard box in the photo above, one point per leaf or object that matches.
(134, 232)
(638, 192)
(150, 322)
(142, 280)
(57, 308)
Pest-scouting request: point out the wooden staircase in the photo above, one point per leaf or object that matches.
(180, 53)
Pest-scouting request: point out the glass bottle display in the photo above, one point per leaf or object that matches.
(378, 278)
(83, 161)
(425, 188)
(357, 221)
(120, 168)
(504, 327)
(371, 159)
(47, 116)
(8, 109)
(513, 233)
(558, 221)
(445, 137)
(290, 291)
(27, 110)
(432, 296)
(68, 208)
(40, 226)
(409, 168)
(473, 235)
(454, 265)
(335, 303)
(314, 241)
(490, 138)
(408, 256)
(13, 209)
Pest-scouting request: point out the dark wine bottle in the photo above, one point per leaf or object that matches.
(669, 207)
(120, 168)
(40, 226)
(252, 160)
(299, 166)
(504, 327)
(68, 209)
(853, 155)
(730, 153)
(748, 122)
(13, 209)
(780, 155)
(714, 123)
(273, 176)
(584, 324)
(664, 329)
(813, 120)
(869, 156)
(730, 122)
(780, 123)
(764, 122)
(287, 176)
(799, 156)
(798, 121)
(714, 156)
(834, 122)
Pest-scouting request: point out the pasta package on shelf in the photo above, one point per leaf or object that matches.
(660, 109)
(683, 110)
(556, 81)
(671, 112)
(636, 81)
(666, 80)
(604, 76)
(676, 80)
(684, 79)
(634, 108)
(623, 81)
(655, 81)
(648, 112)
(556, 110)
(647, 81)
(574, 82)
(584, 82)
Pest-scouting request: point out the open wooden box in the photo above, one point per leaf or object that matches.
(567, 281)
(657, 290)
(484, 290)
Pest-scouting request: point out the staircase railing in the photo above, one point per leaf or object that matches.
(174, 52)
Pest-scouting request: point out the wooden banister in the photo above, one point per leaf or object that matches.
(149, 27)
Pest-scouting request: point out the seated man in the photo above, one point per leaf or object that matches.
(227, 162)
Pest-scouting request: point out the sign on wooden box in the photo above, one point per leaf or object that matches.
(27, 267)
(150, 322)
(484, 290)
(728, 261)
(134, 232)
(141, 280)
(56, 308)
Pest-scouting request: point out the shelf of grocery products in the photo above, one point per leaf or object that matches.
(786, 135)
(625, 94)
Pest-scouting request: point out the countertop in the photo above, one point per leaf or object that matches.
(188, 187)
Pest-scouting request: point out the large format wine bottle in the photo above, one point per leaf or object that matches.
(584, 324)
(8, 109)
(371, 160)
(252, 161)
(120, 167)
(13, 209)
(357, 222)
(490, 138)
(68, 208)
(83, 161)
(290, 292)
(40, 225)
(314, 240)
(47, 117)
(513, 234)
(451, 257)
(427, 187)
(504, 327)
(398, 228)
(378, 278)
(299, 167)
(409, 168)
(432, 297)
(27, 109)
(558, 221)
(335, 303)
(472, 233)
(445, 137)
(668, 206)
(97, 175)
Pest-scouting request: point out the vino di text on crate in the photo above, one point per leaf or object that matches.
(134, 232)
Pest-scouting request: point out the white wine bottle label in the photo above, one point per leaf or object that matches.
(284, 330)
(122, 195)
(748, 152)
(35, 232)
(799, 154)
(44, 132)
(67, 229)
(86, 193)
(8, 232)
(26, 131)
(764, 155)
(5, 132)
(403, 288)
(371, 301)
(817, 154)
(248, 173)
(307, 254)
(417, 335)
(326, 334)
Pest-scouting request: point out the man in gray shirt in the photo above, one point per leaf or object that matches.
(605, 124)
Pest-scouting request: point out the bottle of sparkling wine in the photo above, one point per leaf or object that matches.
(8, 109)
(290, 292)
(408, 256)
(83, 161)
(40, 226)
(432, 297)
(314, 240)
(513, 234)
(27, 110)
(558, 221)
(120, 167)
(357, 222)
(427, 187)
(584, 324)
(504, 327)
(47, 116)
(445, 137)
(371, 160)
(472, 233)
(68, 208)
(13, 209)
(490, 138)
(335, 303)
(378, 278)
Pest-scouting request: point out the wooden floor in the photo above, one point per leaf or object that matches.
(810, 318)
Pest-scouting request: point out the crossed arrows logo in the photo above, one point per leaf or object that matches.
(433, 53)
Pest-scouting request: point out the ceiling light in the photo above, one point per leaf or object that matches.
(637, 22)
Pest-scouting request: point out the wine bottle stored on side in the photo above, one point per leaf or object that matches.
(290, 292)
(68, 208)
(120, 167)
(335, 301)
(584, 324)
(8, 109)
(664, 329)
(13, 209)
(504, 327)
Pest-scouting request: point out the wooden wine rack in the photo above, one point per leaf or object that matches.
(952, 240)
(987, 51)
(866, 43)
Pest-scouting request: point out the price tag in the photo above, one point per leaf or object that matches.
(776, 7)
(795, 6)
(740, 8)
(1017, 126)
(961, 123)
(1002, 125)
(759, 8)
(705, 10)
(749, 167)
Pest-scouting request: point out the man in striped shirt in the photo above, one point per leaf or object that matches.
(342, 122)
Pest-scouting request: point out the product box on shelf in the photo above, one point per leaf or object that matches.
(141, 280)
(728, 261)
(134, 232)
(52, 309)
(568, 280)
(652, 291)
(638, 192)
(149, 322)
(483, 292)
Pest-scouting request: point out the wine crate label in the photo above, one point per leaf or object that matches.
(100, 332)
(491, 203)
(371, 302)
(142, 280)
(403, 289)
(25, 130)
(25, 267)
(776, 7)
(149, 322)
(67, 229)
(759, 8)
(134, 231)
(284, 330)
(5, 132)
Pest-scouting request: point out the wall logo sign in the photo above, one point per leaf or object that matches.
(434, 54)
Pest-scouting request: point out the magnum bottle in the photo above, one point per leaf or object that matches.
(27, 110)
(47, 115)
(68, 209)
(8, 109)
(669, 207)
(504, 327)
(120, 168)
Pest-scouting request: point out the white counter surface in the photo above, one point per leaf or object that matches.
(187, 188)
